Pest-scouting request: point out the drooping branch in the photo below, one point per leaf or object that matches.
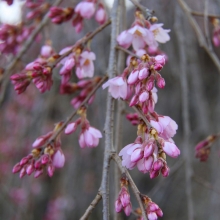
(134, 188)
(200, 14)
(93, 204)
(4, 80)
(109, 113)
(199, 34)
(61, 128)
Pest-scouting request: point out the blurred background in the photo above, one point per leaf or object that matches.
(191, 77)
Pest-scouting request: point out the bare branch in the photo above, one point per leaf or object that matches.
(200, 14)
(199, 33)
(93, 204)
(109, 113)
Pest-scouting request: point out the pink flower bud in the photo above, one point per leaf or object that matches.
(128, 209)
(165, 171)
(133, 77)
(118, 205)
(16, 168)
(24, 161)
(143, 73)
(150, 83)
(38, 164)
(46, 51)
(30, 169)
(45, 159)
(100, 16)
(160, 59)
(124, 197)
(158, 67)
(50, 170)
(157, 165)
(22, 172)
(71, 128)
(85, 9)
(148, 150)
(160, 82)
(133, 101)
(144, 96)
(154, 174)
(38, 173)
(171, 149)
(58, 159)
(137, 155)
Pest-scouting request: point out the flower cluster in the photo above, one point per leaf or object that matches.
(38, 71)
(49, 156)
(83, 10)
(203, 147)
(123, 201)
(12, 37)
(137, 85)
(152, 209)
(38, 9)
(89, 136)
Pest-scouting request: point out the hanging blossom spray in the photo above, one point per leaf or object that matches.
(137, 85)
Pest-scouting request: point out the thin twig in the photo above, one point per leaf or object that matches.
(200, 14)
(93, 204)
(199, 34)
(132, 184)
(63, 126)
(147, 12)
(127, 51)
(27, 44)
(205, 183)
(109, 113)
(206, 26)
(82, 41)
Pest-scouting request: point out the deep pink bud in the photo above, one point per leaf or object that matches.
(137, 155)
(154, 174)
(150, 83)
(143, 73)
(160, 82)
(158, 67)
(149, 149)
(37, 164)
(24, 161)
(157, 165)
(30, 169)
(22, 172)
(128, 209)
(133, 101)
(165, 171)
(50, 170)
(118, 205)
(45, 159)
(38, 173)
(16, 168)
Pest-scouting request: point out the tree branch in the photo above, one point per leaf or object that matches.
(199, 34)
(132, 183)
(93, 204)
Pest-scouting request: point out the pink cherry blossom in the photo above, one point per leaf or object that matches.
(171, 149)
(161, 35)
(86, 67)
(117, 87)
(85, 9)
(90, 137)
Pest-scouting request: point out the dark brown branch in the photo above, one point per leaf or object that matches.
(91, 206)
(134, 188)
(127, 51)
